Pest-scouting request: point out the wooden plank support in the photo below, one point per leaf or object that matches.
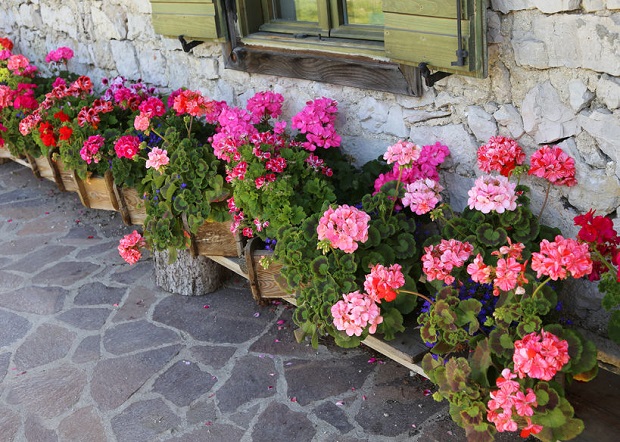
(122, 205)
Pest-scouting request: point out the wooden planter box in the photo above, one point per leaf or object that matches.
(265, 283)
(216, 239)
(5, 156)
(66, 178)
(130, 205)
(97, 192)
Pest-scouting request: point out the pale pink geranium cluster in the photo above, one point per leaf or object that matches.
(509, 399)
(383, 282)
(439, 260)
(316, 121)
(492, 193)
(500, 154)
(157, 158)
(60, 55)
(507, 274)
(129, 247)
(422, 196)
(563, 256)
(127, 146)
(554, 165)
(431, 156)
(355, 312)
(342, 228)
(403, 153)
(90, 151)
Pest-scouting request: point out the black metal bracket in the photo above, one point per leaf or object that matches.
(188, 46)
(430, 79)
(461, 54)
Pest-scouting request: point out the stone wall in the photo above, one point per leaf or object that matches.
(554, 77)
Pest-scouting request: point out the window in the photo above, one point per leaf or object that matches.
(374, 44)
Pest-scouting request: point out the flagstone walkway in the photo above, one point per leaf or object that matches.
(91, 350)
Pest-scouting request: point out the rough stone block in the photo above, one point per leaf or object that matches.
(579, 95)
(553, 6)
(507, 6)
(546, 117)
(509, 117)
(608, 91)
(481, 123)
(567, 40)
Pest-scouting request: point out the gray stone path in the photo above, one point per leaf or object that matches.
(91, 350)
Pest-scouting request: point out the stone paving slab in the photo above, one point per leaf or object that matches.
(92, 351)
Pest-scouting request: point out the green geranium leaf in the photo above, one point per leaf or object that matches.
(490, 236)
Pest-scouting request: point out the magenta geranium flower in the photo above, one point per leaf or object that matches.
(127, 146)
(90, 149)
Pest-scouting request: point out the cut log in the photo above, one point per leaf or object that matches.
(188, 276)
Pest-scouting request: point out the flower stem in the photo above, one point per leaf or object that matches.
(159, 135)
(419, 295)
(542, 284)
(545, 201)
(400, 175)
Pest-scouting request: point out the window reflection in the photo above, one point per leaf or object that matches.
(363, 12)
(296, 10)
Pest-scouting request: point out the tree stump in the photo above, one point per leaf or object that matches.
(188, 276)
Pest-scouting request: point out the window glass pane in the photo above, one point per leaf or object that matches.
(363, 12)
(296, 10)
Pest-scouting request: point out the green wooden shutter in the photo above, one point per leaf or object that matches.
(195, 19)
(425, 31)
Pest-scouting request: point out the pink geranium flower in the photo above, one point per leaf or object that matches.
(265, 105)
(492, 193)
(500, 154)
(129, 247)
(62, 54)
(316, 121)
(90, 149)
(559, 258)
(402, 153)
(422, 196)
(157, 158)
(127, 146)
(540, 356)
(356, 312)
(383, 282)
(342, 228)
(439, 261)
(554, 165)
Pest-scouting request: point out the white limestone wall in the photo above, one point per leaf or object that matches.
(554, 77)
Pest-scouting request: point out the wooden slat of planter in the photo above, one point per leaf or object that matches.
(5, 155)
(97, 192)
(216, 239)
(406, 349)
(42, 167)
(130, 205)
(66, 177)
(263, 282)
(237, 265)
